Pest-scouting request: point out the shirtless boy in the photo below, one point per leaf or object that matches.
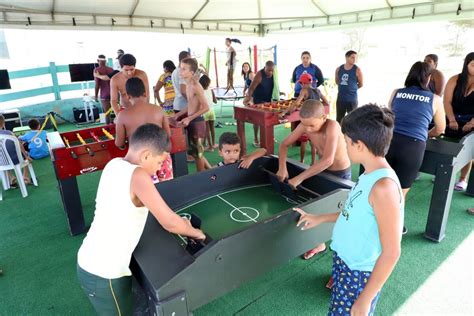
(117, 83)
(327, 139)
(191, 116)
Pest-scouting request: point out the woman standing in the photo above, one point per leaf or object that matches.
(306, 67)
(231, 60)
(459, 107)
(248, 75)
(414, 107)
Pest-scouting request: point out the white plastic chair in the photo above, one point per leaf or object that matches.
(6, 163)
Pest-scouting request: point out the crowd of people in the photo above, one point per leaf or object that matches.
(388, 142)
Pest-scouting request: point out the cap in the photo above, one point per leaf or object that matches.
(305, 78)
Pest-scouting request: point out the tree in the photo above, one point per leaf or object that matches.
(458, 29)
(356, 41)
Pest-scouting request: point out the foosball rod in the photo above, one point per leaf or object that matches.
(308, 190)
(97, 139)
(79, 137)
(106, 133)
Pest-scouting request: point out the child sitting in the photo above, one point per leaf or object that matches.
(36, 140)
(10, 146)
(230, 149)
(367, 234)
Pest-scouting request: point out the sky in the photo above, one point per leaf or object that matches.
(386, 53)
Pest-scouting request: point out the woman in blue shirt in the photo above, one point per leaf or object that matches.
(306, 67)
(414, 107)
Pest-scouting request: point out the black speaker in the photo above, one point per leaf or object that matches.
(12, 118)
(80, 114)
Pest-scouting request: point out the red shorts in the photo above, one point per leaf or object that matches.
(304, 138)
(166, 171)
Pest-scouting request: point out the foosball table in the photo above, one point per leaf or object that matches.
(88, 150)
(266, 116)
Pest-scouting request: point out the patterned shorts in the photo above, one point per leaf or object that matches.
(166, 171)
(348, 284)
(196, 134)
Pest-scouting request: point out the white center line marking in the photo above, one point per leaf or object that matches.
(236, 208)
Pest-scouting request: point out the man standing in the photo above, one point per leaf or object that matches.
(116, 65)
(261, 90)
(348, 79)
(117, 83)
(103, 85)
(437, 81)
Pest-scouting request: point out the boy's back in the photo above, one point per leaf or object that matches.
(37, 145)
(131, 118)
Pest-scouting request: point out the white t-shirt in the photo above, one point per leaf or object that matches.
(117, 226)
(116, 65)
(179, 101)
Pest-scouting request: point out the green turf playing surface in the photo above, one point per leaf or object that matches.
(227, 212)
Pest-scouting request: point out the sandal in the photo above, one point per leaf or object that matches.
(460, 186)
(256, 144)
(330, 283)
(14, 183)
(313, 252)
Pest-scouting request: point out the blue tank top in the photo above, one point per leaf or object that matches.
(413, 108)
(247, 80)
(355, 236)
(347, 87)
(263, 92)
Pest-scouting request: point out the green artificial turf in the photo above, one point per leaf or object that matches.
(38, 255)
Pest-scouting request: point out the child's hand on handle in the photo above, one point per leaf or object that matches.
(294, 182)
(200, 235)
(246, 162)
(197, 233)
(306, 220)
(282, 174)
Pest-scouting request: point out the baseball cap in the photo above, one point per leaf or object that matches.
(305, 78)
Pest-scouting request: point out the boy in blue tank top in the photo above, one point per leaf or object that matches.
(367, 234)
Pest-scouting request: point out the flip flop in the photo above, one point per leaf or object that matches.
(330, 283)
(312, 253)
(460, 186)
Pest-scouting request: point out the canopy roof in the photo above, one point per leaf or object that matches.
(258, 17)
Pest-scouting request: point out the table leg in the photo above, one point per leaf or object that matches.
(266, 139)
(72, 205)
(180, 164)
(241, 133)
(440, 203)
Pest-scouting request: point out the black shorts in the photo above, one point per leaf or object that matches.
(405, 156)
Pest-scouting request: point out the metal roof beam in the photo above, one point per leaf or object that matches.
(200, 10)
